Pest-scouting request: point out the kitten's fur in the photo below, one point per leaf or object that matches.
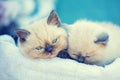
(43, 39)
(93, 42)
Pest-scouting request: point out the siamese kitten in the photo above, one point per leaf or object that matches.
(43, 39)
(93, 42)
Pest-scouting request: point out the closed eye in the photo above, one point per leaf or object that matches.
(87, 56)
(75, 54)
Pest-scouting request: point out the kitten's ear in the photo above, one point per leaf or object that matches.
(53, 19)
(102, 38)
(22, 34)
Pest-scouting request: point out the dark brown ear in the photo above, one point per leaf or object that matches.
(22, 34)
(102, 38)
(53, 19)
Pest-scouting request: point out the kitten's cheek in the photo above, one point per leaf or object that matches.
(33, 54)
(54, 54)
(90, 60)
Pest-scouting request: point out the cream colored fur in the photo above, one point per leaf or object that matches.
(42, 33)
(81, 40)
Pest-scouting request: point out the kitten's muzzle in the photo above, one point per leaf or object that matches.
(49, 48)
(80, 58)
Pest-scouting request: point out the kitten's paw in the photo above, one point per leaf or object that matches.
(64, 54)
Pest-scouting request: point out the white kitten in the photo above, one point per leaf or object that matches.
(94, 42)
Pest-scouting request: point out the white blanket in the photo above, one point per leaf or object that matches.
(15, 66)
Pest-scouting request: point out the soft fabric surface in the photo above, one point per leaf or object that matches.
(15, 66)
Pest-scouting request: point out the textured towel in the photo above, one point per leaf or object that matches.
(15, 66)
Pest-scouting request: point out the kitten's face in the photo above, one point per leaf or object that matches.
(43, 39)
(87, 43)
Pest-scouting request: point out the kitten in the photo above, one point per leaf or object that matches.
(94, 42)
(43, 39)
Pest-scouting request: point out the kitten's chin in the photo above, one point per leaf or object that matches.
(95, 63)
(98, 63)
(47, 56)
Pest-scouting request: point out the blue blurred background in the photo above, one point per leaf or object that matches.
(17, 13)
(96, 10)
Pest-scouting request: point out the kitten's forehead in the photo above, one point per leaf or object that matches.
(83, 36)
(86, 31)
(45, 33)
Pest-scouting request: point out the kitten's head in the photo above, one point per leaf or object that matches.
(87, 43)
(43, 39)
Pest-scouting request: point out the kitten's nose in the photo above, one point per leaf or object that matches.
(80, 58)
(48, 48)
